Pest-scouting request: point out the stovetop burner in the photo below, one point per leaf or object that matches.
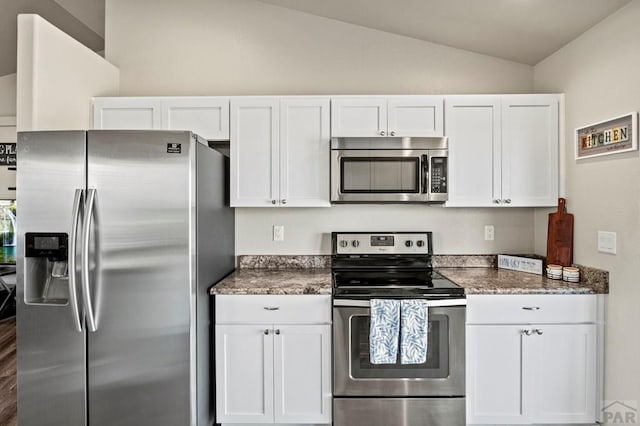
(393, 265)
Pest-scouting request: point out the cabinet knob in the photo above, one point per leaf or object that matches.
(497, 201)
(266, 331)
(283, 201)
(538, 331)
(382, 133)
(273, 201)
(508, 201)
(527, 332)
(393, 133)
(278, 331)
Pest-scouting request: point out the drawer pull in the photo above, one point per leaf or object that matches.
(266, 331)
(538, 331)
(11, 188)
(531, 308)
(271, 308)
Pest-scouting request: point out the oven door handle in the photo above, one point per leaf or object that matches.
(430, 303)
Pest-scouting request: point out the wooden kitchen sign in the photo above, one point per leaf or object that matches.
(619, 134)
(7, 154)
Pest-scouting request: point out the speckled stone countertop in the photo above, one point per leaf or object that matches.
(476, 273)
(276, 281)
(502, 281)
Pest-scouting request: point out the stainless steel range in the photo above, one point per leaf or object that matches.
(395, 265)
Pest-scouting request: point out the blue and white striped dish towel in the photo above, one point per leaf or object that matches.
(384, 331)
(414, 328)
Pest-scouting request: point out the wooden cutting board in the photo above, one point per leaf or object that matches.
(560, 236)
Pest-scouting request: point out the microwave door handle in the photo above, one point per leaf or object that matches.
(425, 174)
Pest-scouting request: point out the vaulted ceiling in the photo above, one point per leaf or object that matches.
(524, 31)
(81, 19)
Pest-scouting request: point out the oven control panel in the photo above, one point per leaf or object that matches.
(382, 243)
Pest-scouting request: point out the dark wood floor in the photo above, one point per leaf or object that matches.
(8, 415)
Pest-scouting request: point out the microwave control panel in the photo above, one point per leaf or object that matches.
(438, 175)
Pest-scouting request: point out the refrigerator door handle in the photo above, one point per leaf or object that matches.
(86, 291)
(73, 292)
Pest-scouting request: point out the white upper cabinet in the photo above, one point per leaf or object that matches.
(255, 146)
(280, 152)
(366, 116)
(127, 113)
(530, 130)
(472, 124)
(304, 152)
(203, 115)
(399, 116)
(207, 117)
(503, 150)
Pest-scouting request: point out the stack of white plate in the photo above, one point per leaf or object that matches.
(554, 272)
(571, 274)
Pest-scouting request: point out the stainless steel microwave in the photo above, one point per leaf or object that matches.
(389, 170)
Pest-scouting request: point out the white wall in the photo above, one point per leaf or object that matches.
(198, 47)
(598, 72)
(56, 78)
(240, 47)
(455, 231)
(8, 95)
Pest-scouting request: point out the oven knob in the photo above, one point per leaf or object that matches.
(408, 243)
(343, 243)
(420, 243)
(355, 243)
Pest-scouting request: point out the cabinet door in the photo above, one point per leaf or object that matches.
(565, 374)
(255, 139)
(205, 116)
(496, 384)
(530, 150)
(244, 374)
(415, 116)
(304, 152)
(302, 371)
(472, 124)
(127, 113)
(365, 116)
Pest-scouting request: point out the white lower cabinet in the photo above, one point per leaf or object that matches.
(524, 368)
(268, 372)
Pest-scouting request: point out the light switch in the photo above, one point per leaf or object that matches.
(607, 242)
(489, 233)
(278, 233)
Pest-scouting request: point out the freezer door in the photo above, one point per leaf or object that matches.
(51, 352)
(140, 366)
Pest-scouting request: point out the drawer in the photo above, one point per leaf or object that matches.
(510, 309)
(272, 309)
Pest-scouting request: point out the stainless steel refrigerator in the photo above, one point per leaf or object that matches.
(120, 235)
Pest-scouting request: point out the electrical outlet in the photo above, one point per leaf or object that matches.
(607, 242)
(278, 233)
(489, 233)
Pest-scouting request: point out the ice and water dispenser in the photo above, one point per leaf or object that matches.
(47, 271)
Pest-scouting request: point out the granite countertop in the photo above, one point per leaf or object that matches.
(477, 274)
(276, 281)
(502, 281)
